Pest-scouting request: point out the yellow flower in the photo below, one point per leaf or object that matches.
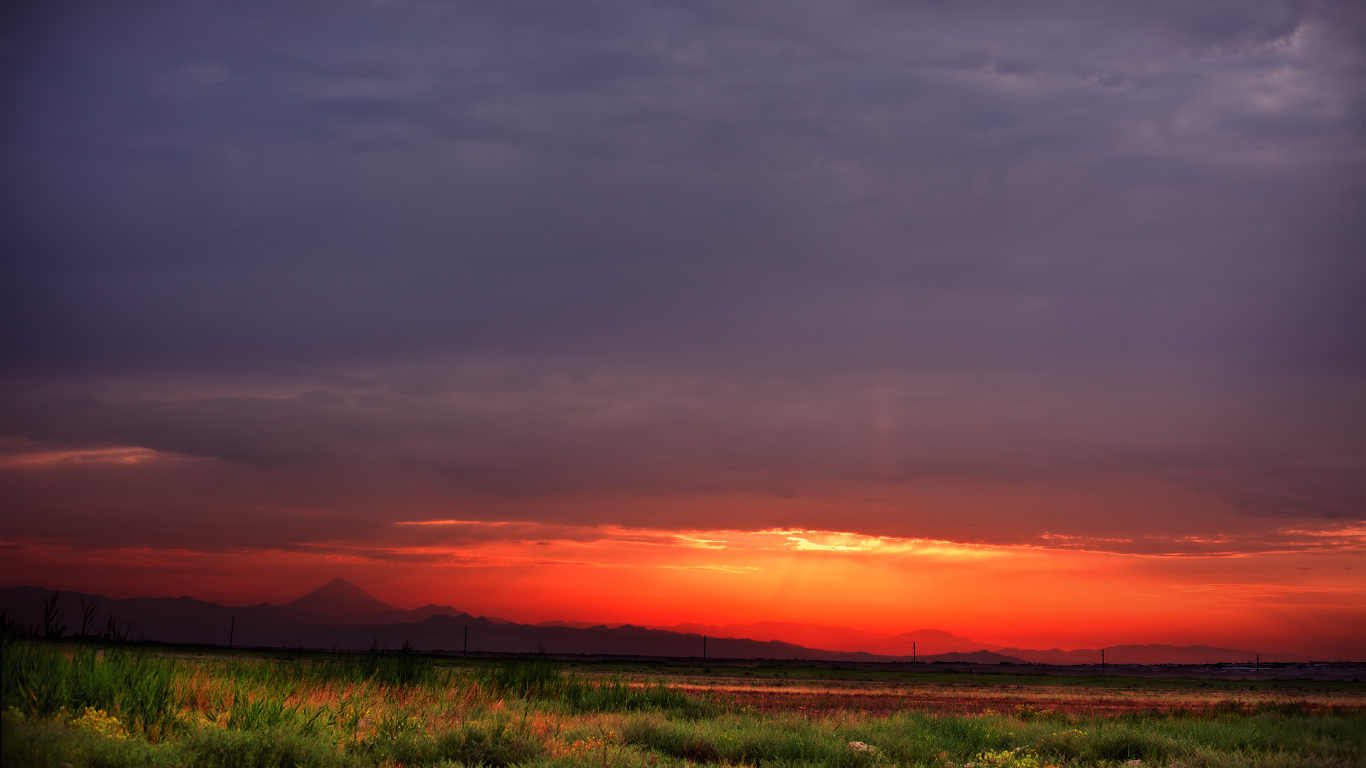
(100, 722)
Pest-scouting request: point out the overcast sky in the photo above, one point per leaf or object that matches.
(1003, 273)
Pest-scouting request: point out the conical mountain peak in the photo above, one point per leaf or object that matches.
(340, 598)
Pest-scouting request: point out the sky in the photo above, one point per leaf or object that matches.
(1043, 324)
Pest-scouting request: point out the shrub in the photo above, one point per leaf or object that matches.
(1125, 744)
(476, 744)
(214, 748)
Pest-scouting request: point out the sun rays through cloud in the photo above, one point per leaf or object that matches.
(1041, 325)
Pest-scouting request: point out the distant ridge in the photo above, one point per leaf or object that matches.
(1147, 654)
(340, 598)
(340, 615)
(579, 624)
(924, 641)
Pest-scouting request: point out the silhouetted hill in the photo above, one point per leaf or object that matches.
(577, 624)
(813, 635)
(937, 641)
(186, 620)
(335, 616)
(926, 641)
(1149, 654)
(340, 598)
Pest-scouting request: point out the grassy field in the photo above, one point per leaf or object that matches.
(90, 705)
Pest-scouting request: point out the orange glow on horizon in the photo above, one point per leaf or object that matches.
(1021, 596)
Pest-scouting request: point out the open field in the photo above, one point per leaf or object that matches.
(92, 705)
(805, 689)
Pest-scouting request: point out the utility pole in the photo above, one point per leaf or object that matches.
(232, 628)
(1102, 662)
(466, 652)
(912, 653)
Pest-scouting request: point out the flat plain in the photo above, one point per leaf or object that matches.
(90, 704)
(968, 691)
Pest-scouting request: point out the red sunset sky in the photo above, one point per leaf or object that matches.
(1041, 326)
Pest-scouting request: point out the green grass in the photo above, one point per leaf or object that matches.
(401, 667)
(41, 682)
(402, 708)
(979, 675)
(542, 680)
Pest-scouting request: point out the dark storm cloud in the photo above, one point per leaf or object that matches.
(411, 443)
(705, 247)
(206, 182)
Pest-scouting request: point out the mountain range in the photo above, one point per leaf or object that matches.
(341, 615)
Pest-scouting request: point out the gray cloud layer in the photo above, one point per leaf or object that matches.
(541, 248)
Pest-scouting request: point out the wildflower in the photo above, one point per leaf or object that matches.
(858, 746)
(101, 722)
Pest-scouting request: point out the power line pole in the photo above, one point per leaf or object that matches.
(912, 653)
(1102, 662)
(231, 629)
